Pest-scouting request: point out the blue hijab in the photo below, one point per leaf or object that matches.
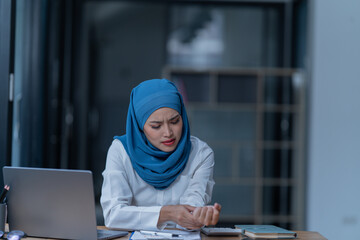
(154, 166)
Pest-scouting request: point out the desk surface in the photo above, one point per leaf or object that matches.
(302, 235)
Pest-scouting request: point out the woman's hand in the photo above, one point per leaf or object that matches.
(190, 217)
(180, 214)
(208, 215)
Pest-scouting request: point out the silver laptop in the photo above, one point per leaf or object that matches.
(53, 203)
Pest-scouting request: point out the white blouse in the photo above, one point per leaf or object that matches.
(130, 203)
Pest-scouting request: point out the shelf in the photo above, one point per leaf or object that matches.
(243, 107)
(256, 181)
(230, 71)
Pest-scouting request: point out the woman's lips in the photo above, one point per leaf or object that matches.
(169, 142)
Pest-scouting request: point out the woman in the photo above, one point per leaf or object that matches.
(157, 174)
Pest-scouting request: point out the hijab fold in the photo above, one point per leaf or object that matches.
(156, 167)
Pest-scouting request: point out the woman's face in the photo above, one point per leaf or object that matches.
(163, 129)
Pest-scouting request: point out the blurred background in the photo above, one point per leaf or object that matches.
(271, 85)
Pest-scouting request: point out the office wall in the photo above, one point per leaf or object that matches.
(333, 206)
(6, 68)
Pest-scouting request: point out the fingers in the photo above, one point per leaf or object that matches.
(209, 216)
(206, 215)
(185, 217)
(195, 217)
(216, 215)
(217, 206)
(198, 213)
(213, 215)
(189, 208)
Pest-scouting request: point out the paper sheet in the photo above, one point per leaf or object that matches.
(183, 235)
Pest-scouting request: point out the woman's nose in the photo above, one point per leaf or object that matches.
(167, 130)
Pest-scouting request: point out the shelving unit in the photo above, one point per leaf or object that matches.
(254, 121)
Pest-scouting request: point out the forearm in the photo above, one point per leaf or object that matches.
(199, 190)
(132, 217)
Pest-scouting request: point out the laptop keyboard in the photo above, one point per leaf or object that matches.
(110, 234)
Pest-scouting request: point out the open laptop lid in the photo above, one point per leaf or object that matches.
(54, 203)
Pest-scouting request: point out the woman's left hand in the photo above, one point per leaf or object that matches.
(208, 215)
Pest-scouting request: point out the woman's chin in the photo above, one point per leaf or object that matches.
(165, 148)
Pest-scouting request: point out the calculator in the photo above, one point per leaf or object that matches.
(221, 231)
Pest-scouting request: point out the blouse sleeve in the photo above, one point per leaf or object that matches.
(201, 183)
(116, 198)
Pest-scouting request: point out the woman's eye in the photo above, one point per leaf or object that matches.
(155, 127)
(176, 121)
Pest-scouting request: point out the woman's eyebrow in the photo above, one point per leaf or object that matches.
(154, 121)
(173, 118)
